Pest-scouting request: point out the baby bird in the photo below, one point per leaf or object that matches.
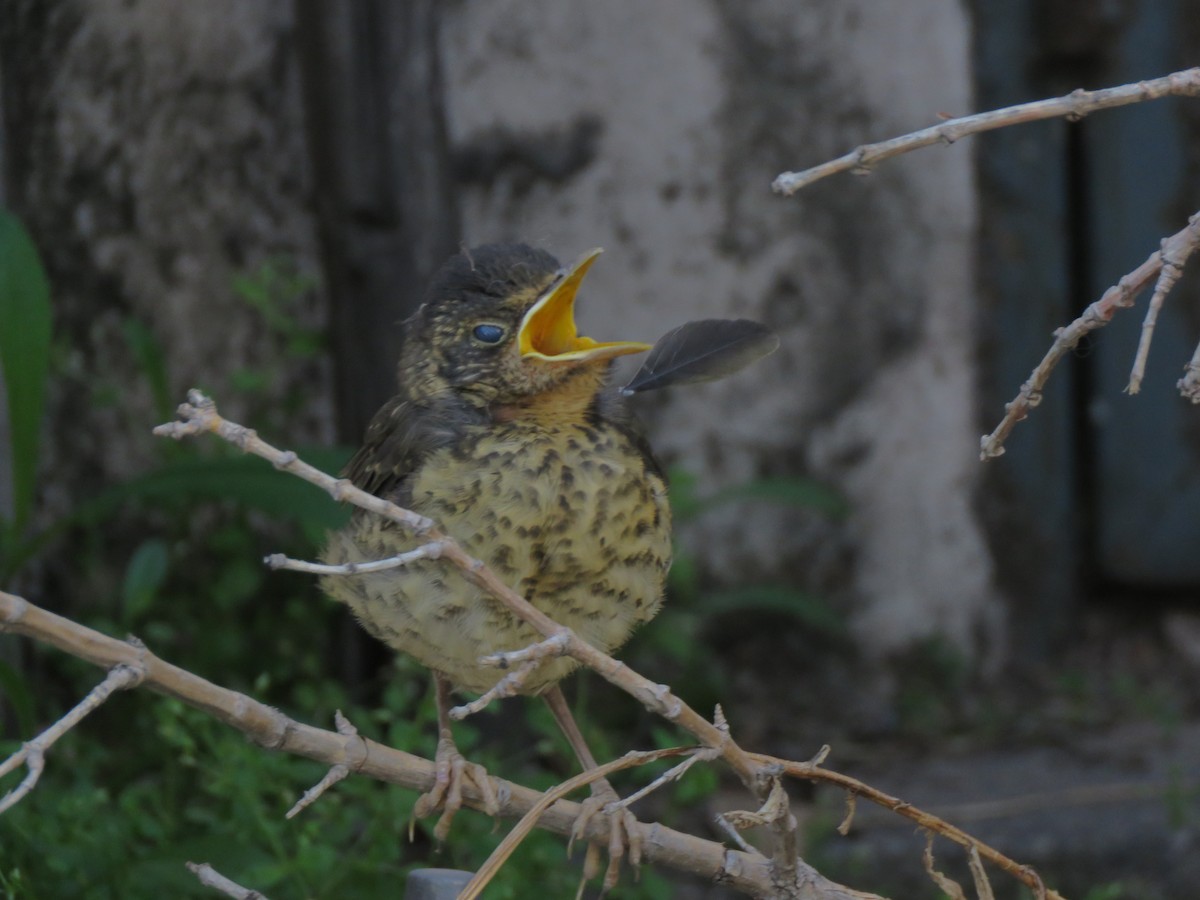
(505, 433)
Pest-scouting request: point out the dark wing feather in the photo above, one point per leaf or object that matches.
(702, 351)
(400, 436)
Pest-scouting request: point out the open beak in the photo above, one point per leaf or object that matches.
(548, 332)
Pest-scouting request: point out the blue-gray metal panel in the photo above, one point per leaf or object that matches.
(1148, 455)
(1023, 269)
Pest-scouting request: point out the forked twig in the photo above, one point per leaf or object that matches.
(1174, 256)
(520, 831)
(33, 753)
(337, 771)
(210, 877)
(927, 821)
(1120, 296)
(1166, 265)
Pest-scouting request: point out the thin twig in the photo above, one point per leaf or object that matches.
(271, 729)
(848, 820)
(337, 771)
(508, 686)
(526, 660)
(1174, 257)
(33, 753)
(210, 877)
(1189, 384)
(945, 883)
(1119, 296)
(705, 754)
(983, 887)
(1075, 105)
(776, 814)
(432, 550)
(520, 831)
(734, 835)
(553, 646)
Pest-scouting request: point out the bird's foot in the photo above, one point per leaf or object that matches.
(624, 836)
(452, 772)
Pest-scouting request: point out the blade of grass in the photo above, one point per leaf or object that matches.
(24, 355)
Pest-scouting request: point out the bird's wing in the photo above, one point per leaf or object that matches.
(399, 438)
(611, 407)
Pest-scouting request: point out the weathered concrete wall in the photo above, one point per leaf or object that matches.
(172, 159)
(654, 130)
(162, 155)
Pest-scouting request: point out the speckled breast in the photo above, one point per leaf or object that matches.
(570, 516)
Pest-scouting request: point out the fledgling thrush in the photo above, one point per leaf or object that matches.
(505, 433)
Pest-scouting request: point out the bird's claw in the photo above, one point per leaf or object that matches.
(624, 837)
(447, 792)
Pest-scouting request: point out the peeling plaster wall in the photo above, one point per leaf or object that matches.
(163, 155)
(654, 130)
(174, 160)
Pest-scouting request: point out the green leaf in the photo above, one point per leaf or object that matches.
(144, 575)
(24, 354)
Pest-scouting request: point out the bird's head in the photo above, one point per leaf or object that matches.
(498, 325)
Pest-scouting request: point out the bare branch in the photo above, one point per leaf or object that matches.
(983, 887)
(508, 686)
(848, 820)
(1174, 257)
(931, 823)
(336, 772)
(210, 877)
(1119, 296)
(272, 729)
(33, 753)
(527, 660)
(1075, 105)
(946, 884)
(1189, 384)
(486, 872)
(432, 550)
(705, 754)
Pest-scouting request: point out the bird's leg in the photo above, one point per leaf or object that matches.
(623, 830)
(452, 771)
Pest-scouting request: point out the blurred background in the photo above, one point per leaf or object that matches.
(248, 196)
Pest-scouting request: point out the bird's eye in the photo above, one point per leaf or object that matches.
(488, 333)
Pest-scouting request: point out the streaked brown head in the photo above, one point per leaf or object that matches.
(498, 325)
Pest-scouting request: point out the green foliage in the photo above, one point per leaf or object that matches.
(24, 357)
